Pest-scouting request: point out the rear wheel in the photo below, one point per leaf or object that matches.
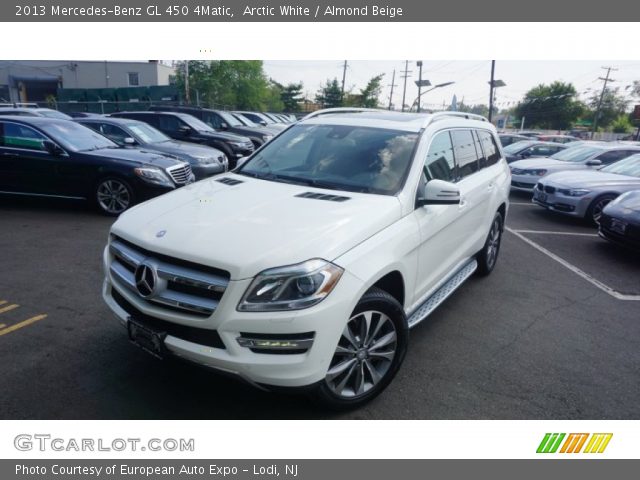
(594, 212)
(369, 352)
(113, 196)
(488, 256)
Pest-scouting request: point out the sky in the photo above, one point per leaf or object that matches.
(471, 77)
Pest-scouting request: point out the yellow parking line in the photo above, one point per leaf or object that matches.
(2, 302)
(8, 308)
(24, 323)
(2, 325)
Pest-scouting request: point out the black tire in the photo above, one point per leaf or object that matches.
(384, 309)
(229, 154)
(101, 188)
(488, 256)
(595, 208)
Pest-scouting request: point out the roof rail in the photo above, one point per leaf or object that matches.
(327, 111)
(434, 117)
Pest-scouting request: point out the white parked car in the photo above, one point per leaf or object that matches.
(526, 173)
(307, 266)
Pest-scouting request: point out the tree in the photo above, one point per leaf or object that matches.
(479, 109)
(330, 95)
(371, 92)
(291, 96)
(553, 107)
(622, 124)
(227, 83)
(613, 106)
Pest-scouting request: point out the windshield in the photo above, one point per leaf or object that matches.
(629, 166)
(196, 124)
(576, 154)
(54, 114)
(147, 133)
(351, 158)
(517, 147)
(245, 121)
(75, 137)
(230, 119)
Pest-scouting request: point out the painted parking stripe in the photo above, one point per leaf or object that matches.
(594, 281)
(8, 308)
(2, 302)
(527, 204)
(22, 324)
(2, 325)
(548, 232)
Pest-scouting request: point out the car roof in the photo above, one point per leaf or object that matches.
(35, 121)
(410, 122)
(112, 120)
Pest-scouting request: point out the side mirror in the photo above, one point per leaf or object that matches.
(593, 163)
(129, 141)
(439, 192)
(263, 123)
(185, 130)
(52, 148)
(525, 154)
(241, 161)
(224, 126)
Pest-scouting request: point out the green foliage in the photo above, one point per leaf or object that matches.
(330, 94)
(479, 109)
(291, 96)
(613, 106)
(238, 84)
(553, 107)
(369, 94)
(622, 124)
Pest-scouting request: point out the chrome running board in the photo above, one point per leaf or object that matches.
(442, 293)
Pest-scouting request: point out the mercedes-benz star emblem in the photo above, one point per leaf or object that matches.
(146, 279)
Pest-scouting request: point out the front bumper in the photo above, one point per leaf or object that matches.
(573, 206)
(202, 171)
(523, 183)
(326, 320)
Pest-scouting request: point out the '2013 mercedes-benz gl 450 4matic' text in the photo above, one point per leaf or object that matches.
(307, 265)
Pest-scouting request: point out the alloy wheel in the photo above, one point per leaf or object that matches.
(113, 196)
(493, 244)
(364, 354)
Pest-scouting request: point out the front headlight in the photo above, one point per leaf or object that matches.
(293, 287)
(537, 173)
(153, 175)
(573, 192)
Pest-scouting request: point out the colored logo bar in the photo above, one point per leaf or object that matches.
(574, 443)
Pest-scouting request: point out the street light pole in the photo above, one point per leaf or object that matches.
(419, 63)
(491, 89)
(426, 84)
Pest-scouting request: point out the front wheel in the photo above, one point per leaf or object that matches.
(113, 196)
(488, 256)
(368, 355)
(594, 212)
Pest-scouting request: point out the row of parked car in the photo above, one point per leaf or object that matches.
(597, 181)
(118, 160)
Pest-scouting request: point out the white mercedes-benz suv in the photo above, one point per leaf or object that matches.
(308, 264)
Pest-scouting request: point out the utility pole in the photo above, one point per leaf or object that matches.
(406, 75)
(491, 89)
(187, 93)
(604, 88)
(393, 84)
(344, 77)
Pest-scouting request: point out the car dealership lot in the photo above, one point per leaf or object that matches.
(547, 335)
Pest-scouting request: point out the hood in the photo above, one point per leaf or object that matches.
(255, 225)
(228, 137)
(540, 162)
(251, 131)
(590, 179)
(627, 207)
(184, 149)
(135, 155)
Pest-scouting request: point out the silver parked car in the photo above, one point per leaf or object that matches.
(585, 193)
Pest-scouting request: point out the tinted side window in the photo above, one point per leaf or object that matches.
(113, 133)
(490, 148)
(440, 163)
(212, 119)
(20, 136)
(614, 155)
(482, 158)
(464, 150)
(169, 123)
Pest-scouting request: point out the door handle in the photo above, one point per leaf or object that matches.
(463, 202)
(490, 186)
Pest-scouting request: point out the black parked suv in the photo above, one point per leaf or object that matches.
(47, 157)
(181, 126)
(205, 161)
(221, 120)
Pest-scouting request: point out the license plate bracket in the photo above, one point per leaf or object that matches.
(149, 340)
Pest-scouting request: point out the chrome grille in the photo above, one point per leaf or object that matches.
(180, 173)
(178, 285)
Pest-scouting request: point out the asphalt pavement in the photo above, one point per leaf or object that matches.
(553, 333)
